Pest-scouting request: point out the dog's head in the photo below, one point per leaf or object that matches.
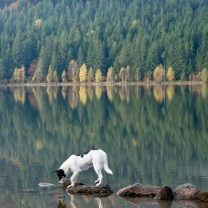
(61, 176)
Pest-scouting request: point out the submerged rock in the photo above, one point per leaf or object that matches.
(186, 192)
(139, 190)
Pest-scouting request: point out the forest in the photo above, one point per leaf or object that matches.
(51, 41)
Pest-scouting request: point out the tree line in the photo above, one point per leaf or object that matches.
(97, 41)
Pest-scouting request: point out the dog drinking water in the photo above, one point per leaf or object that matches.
(78, 163)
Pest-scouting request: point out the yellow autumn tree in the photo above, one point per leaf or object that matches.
(55, 76)
(90, 76)
(38, 23)
(49, 77)
(110, 75)
(73, 71)
(127, 74)
(122, 73)
(22, 76)
(137, 75)
(98, 76)
(170, 74)
(159, 73)
(15, 75)
(83, 73)
(64, 77)
(204, 75)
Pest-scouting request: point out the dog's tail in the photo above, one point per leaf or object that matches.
(107, 169)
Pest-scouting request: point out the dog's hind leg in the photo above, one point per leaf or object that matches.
(100, 176)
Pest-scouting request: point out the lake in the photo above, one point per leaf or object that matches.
(155, 135)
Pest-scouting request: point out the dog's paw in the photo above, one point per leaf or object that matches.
(98, 184)
(70, 186)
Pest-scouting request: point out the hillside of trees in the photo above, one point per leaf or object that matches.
(103, 40)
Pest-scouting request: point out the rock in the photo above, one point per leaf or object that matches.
(186, 192)
(68, 182)
(98, 191)
(165, 193)
(139, 190)
(203, 196)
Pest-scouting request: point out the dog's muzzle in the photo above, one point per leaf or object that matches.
(61, 182)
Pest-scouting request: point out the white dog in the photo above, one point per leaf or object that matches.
(78, 163)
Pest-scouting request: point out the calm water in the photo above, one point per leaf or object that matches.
(152, 135)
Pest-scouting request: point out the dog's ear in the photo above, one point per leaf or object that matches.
(56, 171)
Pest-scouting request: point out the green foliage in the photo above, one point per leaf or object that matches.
(102, 34)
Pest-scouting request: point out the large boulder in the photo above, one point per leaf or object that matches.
(165, 193)
(186, 192)
(139, 190)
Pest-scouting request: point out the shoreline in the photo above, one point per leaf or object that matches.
(71, 84)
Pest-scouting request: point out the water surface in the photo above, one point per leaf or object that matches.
(154, 135)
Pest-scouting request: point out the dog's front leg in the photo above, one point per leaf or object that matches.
(73, 179)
